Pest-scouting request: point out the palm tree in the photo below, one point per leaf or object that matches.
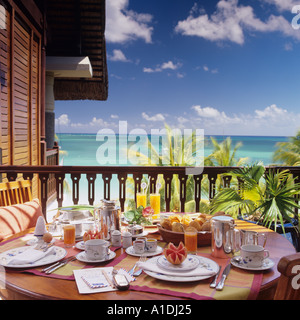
(288, 153)
(176, 151)
(271, 195)
(223, 155)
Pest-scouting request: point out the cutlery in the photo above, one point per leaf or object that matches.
(131, 271)
(57, 265)
(138, 272)
(220, 285)
(214, 282)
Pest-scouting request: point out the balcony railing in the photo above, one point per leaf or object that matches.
(92, 176)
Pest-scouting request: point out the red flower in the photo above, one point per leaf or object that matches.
(148, 211)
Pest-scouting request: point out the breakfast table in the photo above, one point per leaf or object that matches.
(241, 284)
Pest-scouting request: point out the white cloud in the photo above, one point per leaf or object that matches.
(271, 112)
(208, 112)
(230, 21)
(124, 25)
(164, 66)
(283, 5)
(156, 117)
(63, 120)
(118, 55)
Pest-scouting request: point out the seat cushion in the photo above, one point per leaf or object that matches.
(19, 217)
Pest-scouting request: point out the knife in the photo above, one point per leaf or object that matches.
(59, 265)
(220, 285)
(214, 282)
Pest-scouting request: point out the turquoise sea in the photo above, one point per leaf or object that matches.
(82, 148)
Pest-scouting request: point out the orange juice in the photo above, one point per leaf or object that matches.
(190, 241)
(69, 235)
(155, 204)
(141, 200)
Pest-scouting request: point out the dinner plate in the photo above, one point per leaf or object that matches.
(267, 264)
(190, 263)
(83, 258)
(204, 262)
(131, 252)
(5, 257)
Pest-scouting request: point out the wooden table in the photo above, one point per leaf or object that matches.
(29, 286)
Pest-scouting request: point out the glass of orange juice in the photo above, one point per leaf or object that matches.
(69, 235)
(190, 240)
(141, 200)
(155, 204)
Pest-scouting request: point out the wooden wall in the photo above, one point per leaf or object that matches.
(20, 95)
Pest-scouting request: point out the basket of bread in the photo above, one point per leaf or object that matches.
(172, 228)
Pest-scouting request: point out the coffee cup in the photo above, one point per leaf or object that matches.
(151, 245)
(139, 246)
(253, 255)
(96, 249)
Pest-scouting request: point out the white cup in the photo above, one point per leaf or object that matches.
(139, 246)
(151, 245)
(96, 249)
(253, 255)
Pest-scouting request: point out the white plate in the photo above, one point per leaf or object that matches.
(131, 252)
(5, 257)
(83, 258)
(191, 262)
(267, 264)
(204, 262)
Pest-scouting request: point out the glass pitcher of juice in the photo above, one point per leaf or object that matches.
(155, 204)
(141, 200)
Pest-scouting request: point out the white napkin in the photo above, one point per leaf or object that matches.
(40, 227)
(199, 271)
(29, 255)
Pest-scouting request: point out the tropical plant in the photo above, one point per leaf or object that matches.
(268, 195)
(177, 150)
(223, 155)
(288, 153)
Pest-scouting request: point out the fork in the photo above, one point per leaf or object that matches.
(143, 258)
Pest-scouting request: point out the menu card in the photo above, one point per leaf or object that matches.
(92, 280)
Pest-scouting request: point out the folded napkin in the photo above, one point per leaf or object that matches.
(199, 271)
(30, 255)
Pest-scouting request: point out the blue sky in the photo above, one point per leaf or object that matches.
(230, 67)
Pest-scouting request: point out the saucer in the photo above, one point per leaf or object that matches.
(267, 264)
(131, 252)
(83, 258)
(80, 245)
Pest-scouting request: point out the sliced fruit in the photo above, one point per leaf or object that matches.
(175, 255)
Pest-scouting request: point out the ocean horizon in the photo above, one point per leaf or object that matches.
(81, 148)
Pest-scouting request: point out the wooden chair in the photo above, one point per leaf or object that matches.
(15, 192)
(288, 287)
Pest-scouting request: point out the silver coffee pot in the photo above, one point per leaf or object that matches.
(108, 218)
(225, 238)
